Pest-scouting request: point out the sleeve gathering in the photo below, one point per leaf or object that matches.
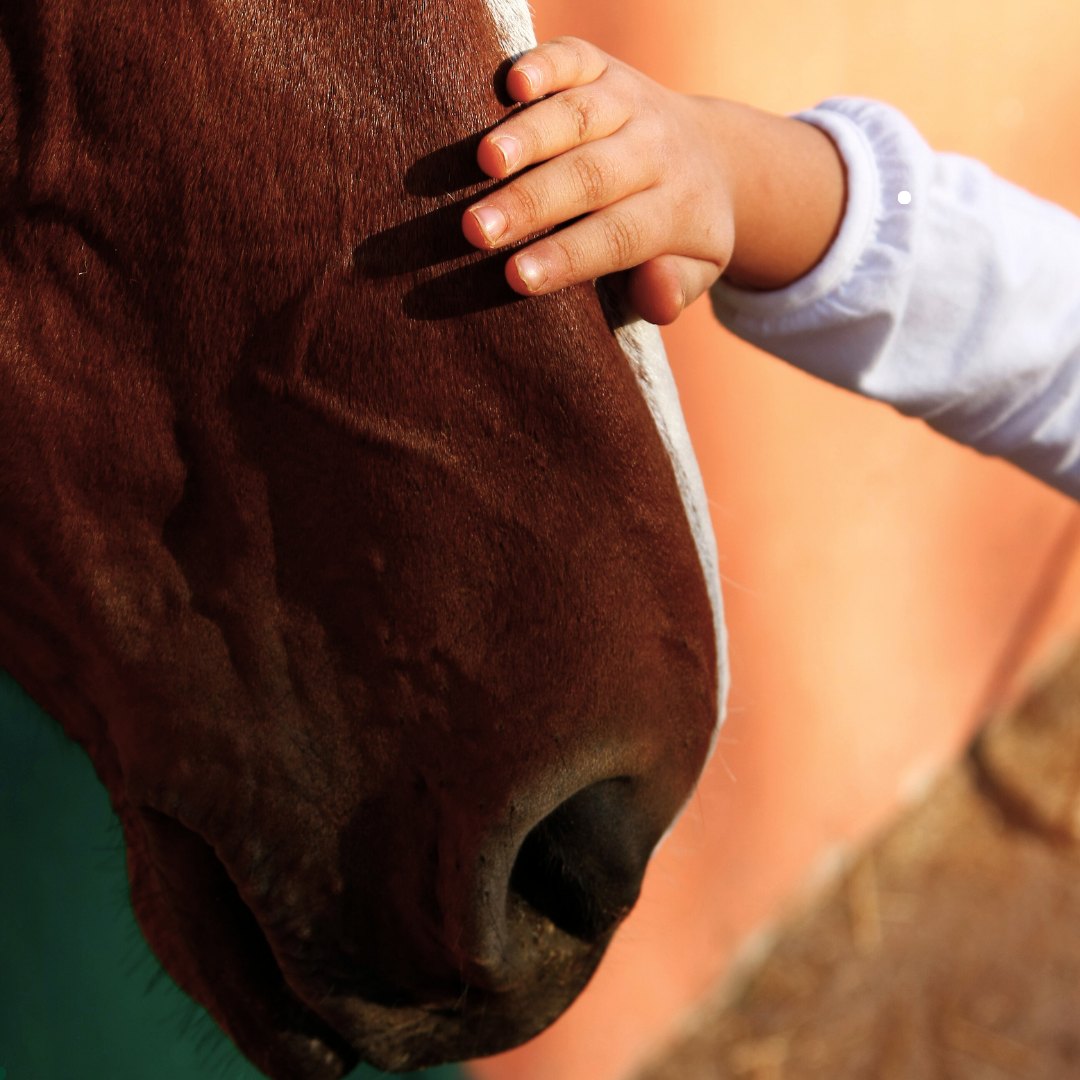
(948, 293)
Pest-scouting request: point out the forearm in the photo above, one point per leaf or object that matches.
(948, 293)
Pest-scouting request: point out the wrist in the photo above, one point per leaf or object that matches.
(788, 189)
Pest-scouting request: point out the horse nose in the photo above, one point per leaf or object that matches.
(582, 866)
(510, 910)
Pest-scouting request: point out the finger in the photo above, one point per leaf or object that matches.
(616, 238)
(556, 65)
(662, 288)
(577, 182)
(552, 127)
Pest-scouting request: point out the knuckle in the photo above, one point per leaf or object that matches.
(622, 235)
(577, 55)
(593, 179)
(528, 206)
(581, 114)
(571, 256)
(573, 47)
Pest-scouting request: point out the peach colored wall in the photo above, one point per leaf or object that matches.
(883, 586)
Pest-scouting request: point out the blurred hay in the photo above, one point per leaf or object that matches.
(950, 947)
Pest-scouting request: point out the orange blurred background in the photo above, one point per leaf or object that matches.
(884, 588)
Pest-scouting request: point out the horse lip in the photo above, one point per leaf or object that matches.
(398, 1031)
(476, 1024)
(196, 920)
(292, 1016)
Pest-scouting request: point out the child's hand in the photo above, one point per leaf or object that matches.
(675, 189)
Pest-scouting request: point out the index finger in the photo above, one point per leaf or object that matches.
(553, 126)
(559, 64)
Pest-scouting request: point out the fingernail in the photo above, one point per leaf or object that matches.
(532, 77)
(491, 220)
(532, 271)
(510, 150)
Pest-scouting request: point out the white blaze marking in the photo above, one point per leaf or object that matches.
(644, 349)
(513, 24)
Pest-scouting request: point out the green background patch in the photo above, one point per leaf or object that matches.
(82, 997)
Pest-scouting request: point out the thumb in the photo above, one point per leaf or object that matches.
(660, 288)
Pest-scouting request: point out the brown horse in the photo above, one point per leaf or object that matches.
(384, 601)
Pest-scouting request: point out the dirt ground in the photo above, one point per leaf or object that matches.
(950, 948)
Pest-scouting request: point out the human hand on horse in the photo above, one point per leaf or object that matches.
(675, 189)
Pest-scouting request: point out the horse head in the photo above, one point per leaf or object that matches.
(383, 600)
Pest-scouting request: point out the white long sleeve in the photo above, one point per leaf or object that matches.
(960, 306)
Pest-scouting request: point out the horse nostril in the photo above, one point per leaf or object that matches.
(582, 866)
